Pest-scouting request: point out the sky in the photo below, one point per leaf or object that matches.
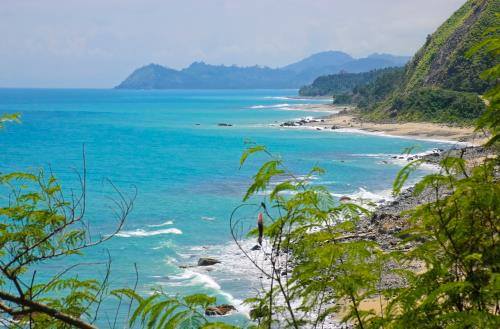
(98, 43)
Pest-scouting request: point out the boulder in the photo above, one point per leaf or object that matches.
(206, 261)
(224, 309)
(345, 198)
(224, 124)
(256, 247)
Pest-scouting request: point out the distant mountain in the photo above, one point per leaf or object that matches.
(200, 75)
(320, 60)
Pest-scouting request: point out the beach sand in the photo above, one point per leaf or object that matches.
(343, 118)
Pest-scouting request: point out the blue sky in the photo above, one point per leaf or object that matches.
(97, 43)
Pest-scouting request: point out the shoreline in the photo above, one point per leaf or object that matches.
(340, 118)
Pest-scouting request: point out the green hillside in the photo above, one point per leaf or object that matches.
(441, 62)
(336, 84)
(441, 83)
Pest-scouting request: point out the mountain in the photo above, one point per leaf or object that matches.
(440, 83)
(205, 76)
(320, 60)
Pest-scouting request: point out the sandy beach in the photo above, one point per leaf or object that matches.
(342, 118)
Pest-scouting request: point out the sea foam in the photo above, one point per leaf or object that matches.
(143, 233)
(168, 222)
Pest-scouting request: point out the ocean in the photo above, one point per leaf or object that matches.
(168, 147)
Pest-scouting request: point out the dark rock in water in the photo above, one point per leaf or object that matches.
(334, 127)
(206, 261)
(197, 124)
(256, 247)
(224, 125)
(318, 128)
(219, 310)
(345, 198)
(288, 124)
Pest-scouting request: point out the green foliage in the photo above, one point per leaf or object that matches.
(35, 227)
(315, 242)
(459, 287)
(442, 81)
(312, 228)
(491, 119)
(161, 311)
(378, 90)
(337, 84)
(436, 105)
(442, 61)
(38, 226)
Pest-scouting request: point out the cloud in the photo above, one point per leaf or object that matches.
(96, 43)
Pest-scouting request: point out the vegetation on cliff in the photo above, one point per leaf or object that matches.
(337, 84)
(441, 83)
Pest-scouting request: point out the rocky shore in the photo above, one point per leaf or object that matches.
(345, 119)
(387, 221)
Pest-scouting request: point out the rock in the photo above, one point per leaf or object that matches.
(256, 247)
(345, 198)
(318, 128)
(334, 127)
(206, 261)
(288, 124)
(224, 309)
(224, 124)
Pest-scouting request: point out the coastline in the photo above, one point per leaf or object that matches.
(342, 119)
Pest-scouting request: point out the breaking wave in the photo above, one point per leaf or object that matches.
(143, 233)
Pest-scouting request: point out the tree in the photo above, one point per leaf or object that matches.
(39, 224)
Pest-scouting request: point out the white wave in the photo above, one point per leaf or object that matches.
(270, 106)
(168, 222)
(198, 248)
(195, 278)
(367, 198)
(143, 233)
(208, 218)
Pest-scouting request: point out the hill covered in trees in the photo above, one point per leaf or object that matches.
(343, 82)
(200, 75)
(442, 81)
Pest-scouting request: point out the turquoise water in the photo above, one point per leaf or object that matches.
(167, 145)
